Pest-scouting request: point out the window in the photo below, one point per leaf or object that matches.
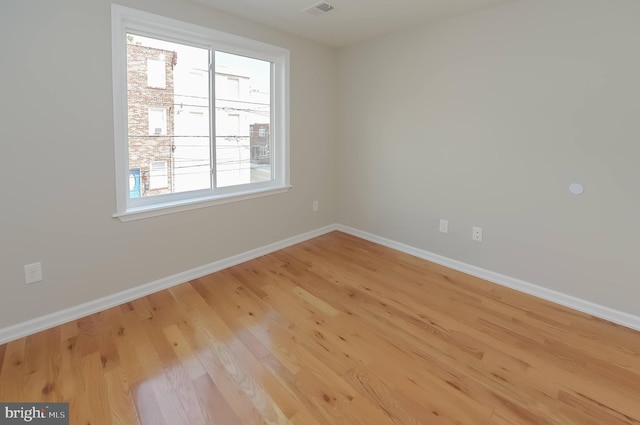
(158, 177)
(156, 73)
(157, 122)
(192, 141)
(233, 87)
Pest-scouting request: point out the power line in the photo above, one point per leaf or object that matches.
(221, 99)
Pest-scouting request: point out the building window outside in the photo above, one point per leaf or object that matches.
(232, 87)
(158, 176)
(156, 72)
(157, 121)
(195, 146)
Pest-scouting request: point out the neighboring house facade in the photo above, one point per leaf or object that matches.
(150, 91)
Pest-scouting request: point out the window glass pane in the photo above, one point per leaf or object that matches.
(243, 119)
(168, 116)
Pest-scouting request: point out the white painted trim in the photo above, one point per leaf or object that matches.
(54, 319)
(597, 310)
(195, 203)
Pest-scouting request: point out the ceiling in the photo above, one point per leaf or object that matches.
(351, 21)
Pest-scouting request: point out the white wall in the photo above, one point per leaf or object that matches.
(57, 173)
(485, 120)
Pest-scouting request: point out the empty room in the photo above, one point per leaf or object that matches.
(301, 212)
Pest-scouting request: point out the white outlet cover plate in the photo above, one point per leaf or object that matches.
(32, 273)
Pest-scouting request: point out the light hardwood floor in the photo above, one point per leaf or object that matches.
(335, 330)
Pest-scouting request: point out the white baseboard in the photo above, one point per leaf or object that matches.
(607, 313)
(54, 319)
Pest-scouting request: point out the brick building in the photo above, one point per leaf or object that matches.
(150, 91)
(259, 143)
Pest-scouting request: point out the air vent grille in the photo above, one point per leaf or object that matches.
(319, 8)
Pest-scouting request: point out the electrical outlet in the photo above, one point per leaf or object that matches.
(32, 273)
(316, 206)
(477, 234)
(444, 226)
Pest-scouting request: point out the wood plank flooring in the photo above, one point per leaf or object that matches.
(335, 331)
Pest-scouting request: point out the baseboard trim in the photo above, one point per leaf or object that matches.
(596, 310)
(30, 327)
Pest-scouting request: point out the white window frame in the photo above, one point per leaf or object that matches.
(124, 20)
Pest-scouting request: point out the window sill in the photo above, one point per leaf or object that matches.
(194, 203)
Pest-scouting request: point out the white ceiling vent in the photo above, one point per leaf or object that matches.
(319, 8)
